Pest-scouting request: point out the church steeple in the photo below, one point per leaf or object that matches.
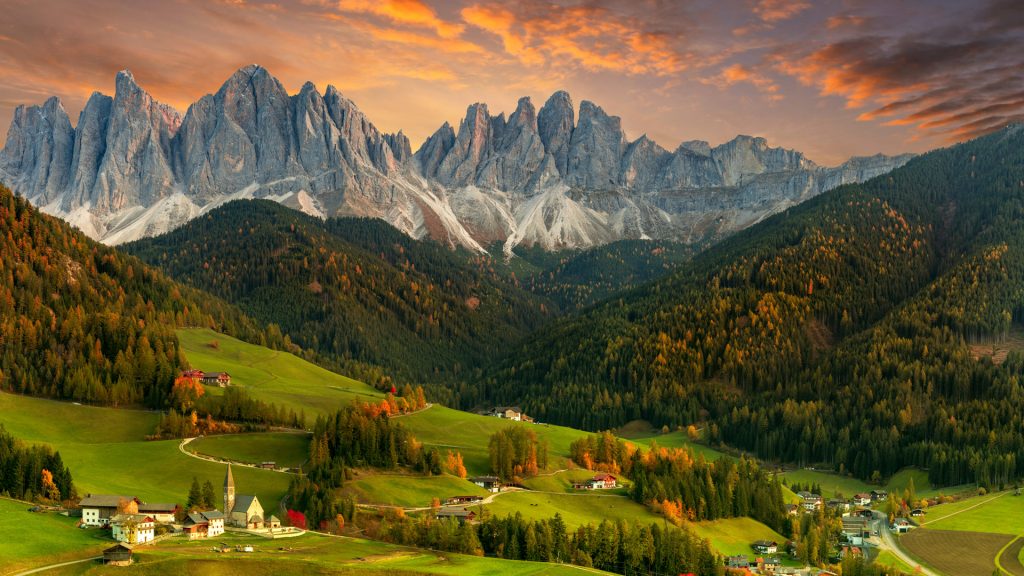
(229, 492)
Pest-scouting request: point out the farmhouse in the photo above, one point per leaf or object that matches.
(243, 511)
(507, 412)
(862, 499)
(204, 524)
(489, 483)
(917, 512)
(765, 547)
(221, 379)
(460, 515)
(133, 528)
(768, 564)
(120, 555)
(98, 508)
(739, 561)
(901, 525)
(792, 509)
(162, 513)
(810, 501)
(455, 500)
(877, 495)
(599, 482)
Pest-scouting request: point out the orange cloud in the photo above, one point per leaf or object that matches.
(738, 73)
(778, 10)
(408, 12)
(591, 37)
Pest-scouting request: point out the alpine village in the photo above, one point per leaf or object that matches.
(324, 318)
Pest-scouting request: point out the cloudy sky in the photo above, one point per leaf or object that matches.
(832, 78)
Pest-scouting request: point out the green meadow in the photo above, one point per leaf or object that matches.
(576, 510)
(833, 484)
(406, 491)
(1000, 513)
(311, 554)
(32, 539)
(731, 536)
(285, 449)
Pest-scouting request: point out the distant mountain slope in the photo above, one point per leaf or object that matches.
(837, 332)
(83, 321)
(353, 288)
(132, 167)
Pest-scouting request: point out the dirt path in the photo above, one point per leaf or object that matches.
(61, 565)
(186, 441)
(1009, 558)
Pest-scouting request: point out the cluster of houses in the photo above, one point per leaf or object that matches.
(812, 502)
(222, 379)
(133, 522)
(598, 482)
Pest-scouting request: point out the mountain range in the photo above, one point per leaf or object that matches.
(133, 167)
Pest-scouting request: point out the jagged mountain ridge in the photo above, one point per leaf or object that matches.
(133, 167)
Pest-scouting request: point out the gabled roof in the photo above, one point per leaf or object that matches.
(159, 507)
(273, 519)
(103, 500)
(195, 518)
(244, 501)
(212, 514)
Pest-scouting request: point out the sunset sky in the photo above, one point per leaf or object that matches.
(830, 78)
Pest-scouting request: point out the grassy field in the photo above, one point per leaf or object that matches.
(832, 484)
(732, 536)
(575, 510)
(1001, 513)
(116, 460)
(32, 539)
(407, 491)
(468, 433)
(562, 481)
(886, 558)
(283, 448)
(272, 376)
(313, 554)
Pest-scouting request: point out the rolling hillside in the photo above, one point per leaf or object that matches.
(836, 333)
(353, 289)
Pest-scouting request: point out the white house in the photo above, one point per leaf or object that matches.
(133, 528)
(98, 508)
(162, 513)
(862, 499)
(204, 524)
(489, 483)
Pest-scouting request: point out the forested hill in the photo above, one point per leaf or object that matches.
(355, 289)
(82, 321)
(837, 332)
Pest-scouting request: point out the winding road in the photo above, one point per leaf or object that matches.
(888, 542)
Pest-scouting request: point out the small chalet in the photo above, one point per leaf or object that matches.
(738, 562)
(862, 499)
(599, 482)
(273, 522)
(765, 547)
(119, 555)
(507, 412)
(460, 515)
(268, 465)
(877, 495)
(133, 528)
(917, 512)
(810, 501)
(768, 564)
(901, 525)
(489, 483)
(456, 500)
(837, 504)
(792, 509)
(197, 374)
(221, 379)
(207, 524)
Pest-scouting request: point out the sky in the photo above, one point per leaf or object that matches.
(831, 78)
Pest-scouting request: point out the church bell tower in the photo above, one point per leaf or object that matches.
(229, 492)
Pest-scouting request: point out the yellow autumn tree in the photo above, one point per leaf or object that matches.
(454, 464)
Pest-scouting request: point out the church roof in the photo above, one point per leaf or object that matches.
(243, 502)
(229, 480)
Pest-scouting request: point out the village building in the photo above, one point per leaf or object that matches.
(856, 528)
(765, 547)
(901, 525)
(460, 515)
(489, 483)
(222, 379)
(598, 482)
(917, 512)
(738, 562)
(162, 513)
(810, 502)
(455, 500)
(862, 499)
(507, 412)
(98, 508)
(133, 528)
(792, 509)
(207, 524)
(273, 522)
(243, 510)
(877, 495)
(119, 555)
